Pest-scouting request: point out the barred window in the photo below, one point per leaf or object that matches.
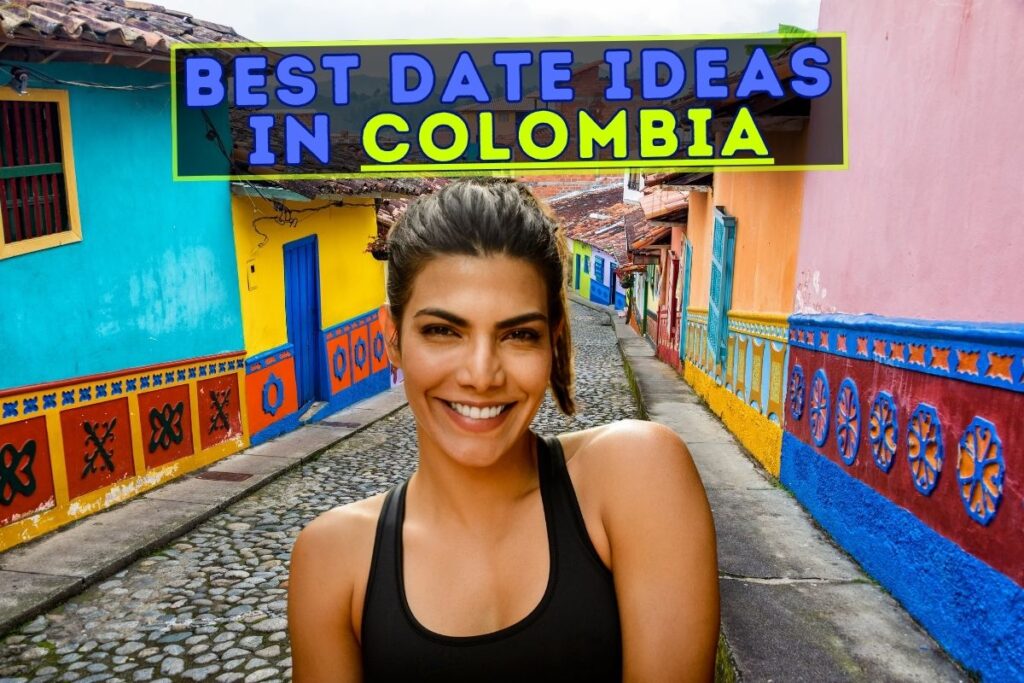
(37, 199)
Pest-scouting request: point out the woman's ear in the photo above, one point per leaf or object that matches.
(390, 336)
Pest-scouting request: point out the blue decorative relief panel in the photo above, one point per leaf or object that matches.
(924, 448)
(982, 353)
(883, 431)
(848, 421)
(819, 408)
(980, 470)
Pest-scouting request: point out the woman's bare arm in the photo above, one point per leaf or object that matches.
(324, 646)
(663, 552)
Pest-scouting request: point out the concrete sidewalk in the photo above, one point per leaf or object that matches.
(794, 606)
(41, 574)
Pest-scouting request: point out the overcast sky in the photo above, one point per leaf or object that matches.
(273, 20)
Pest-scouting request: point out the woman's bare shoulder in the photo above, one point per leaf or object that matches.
(617, 457)
(623, 440)
(341, 539)
(329, 565)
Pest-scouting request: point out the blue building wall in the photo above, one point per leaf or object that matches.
(153, 278)
(974, 611)
(600, 293)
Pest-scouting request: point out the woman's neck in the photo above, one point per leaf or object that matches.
(450, 493)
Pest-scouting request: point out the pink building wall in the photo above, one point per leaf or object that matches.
(928, 221)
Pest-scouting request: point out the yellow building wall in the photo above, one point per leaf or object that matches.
(758, 435)
(652, 291)
(351, 281)
(583, 249)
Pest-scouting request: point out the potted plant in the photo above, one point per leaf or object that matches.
(378, 248)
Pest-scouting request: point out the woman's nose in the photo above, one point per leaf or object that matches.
(482, 367)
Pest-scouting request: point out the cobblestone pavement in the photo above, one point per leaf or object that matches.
(212, 605)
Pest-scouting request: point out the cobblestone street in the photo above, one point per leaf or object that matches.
(212, 605)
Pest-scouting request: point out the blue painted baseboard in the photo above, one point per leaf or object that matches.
(372, 385)
(975, 612)
(600, 293)
(285, 424)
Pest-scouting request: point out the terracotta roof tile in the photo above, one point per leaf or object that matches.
(555, 187)
(597, 218)
(139, 26)
(638, 228)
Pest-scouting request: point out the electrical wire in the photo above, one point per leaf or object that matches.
(46, 78)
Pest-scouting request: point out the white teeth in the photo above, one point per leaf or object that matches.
(475, 412)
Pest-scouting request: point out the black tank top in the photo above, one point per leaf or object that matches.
(573, 634)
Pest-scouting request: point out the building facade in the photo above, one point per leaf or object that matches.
(123, 356)
(903, 434)
(310, 294)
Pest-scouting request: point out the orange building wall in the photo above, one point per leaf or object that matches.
(767, 206)
(699, 228)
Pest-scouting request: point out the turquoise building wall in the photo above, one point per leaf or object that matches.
(153, 279)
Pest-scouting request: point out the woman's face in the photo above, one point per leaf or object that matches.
(476, 354)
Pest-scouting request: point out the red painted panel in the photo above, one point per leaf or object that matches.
(220, 415)
(97, 446)
(378, 354)
(26, 477)
(669, 355)
(281, 394)
(339, 362)
(999, 542)
(361, 353)
(166, 417)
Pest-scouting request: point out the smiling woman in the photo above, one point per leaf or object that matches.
(506, 556)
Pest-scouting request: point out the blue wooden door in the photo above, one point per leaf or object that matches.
(302, 313)
(576, 271)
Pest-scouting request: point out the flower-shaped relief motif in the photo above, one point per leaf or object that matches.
(848, 421)
(274, 385)
(340, 362)
(819, 408)
(924, 448)
(796, 392)
(883, 430)
(980, 470)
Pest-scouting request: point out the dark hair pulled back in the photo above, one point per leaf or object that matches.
(487, 217)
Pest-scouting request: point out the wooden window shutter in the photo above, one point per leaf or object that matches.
(723, 247)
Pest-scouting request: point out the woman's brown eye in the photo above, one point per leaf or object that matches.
(437, 331)
(524, 335)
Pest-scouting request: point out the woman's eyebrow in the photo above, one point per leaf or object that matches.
(462, 322)
(520, 319)
(444, 315)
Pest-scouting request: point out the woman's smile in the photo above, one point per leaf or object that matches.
(477, 418)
